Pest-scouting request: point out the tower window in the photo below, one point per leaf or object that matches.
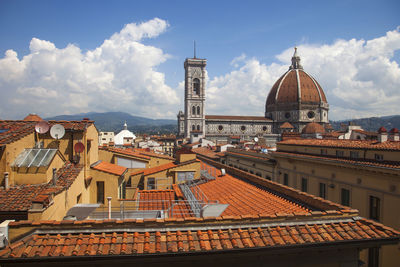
(196, 86)
(198, 127)
(194, 110)
(193, 127)
(198, 110)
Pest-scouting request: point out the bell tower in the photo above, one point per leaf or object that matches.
(195, 82)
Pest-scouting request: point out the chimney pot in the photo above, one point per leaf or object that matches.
(6, 181)
(54, 176)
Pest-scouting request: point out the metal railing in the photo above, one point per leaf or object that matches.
(144, 209)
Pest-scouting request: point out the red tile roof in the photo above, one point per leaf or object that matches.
(204, 151)
(313, 128)
(246, 199)
(354, 162)
(353, 144)
(182, 240)
(33, 117)
(20, 129)
(156, 169)
(126, 152)
(286, 125)
(236, 118)
(21, 197)
(109, 168)
(382, 130)
(155, 199)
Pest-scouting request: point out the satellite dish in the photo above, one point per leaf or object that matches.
(79, 147)
(42, 127)
(57, 131)
(255, 139)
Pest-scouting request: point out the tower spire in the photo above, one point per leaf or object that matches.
(295, 61)
(194, 49)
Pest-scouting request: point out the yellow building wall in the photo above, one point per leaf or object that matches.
(10, 153)
(171, 175)
(155, 161)
(111, 186)
(37, 175)
(63, 201)
(361, 181)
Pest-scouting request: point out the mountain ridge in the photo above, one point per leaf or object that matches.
(114, 122)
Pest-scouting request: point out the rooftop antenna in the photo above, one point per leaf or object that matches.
(194, 48)
(41, 127)
(57, 131)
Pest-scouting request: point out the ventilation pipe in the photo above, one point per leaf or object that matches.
(223, 172)
(54, 176)
(109, 207)
(6, 181)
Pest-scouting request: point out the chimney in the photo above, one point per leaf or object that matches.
(6, 181)
(54, 176)
(382, 135)
(394, 135)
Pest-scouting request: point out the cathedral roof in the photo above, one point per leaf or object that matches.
(295, 86)
(33, 117)
(313, 128)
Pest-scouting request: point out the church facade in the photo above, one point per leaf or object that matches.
(295, 100)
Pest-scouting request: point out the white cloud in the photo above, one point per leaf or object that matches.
(119, 75)
(360, 78)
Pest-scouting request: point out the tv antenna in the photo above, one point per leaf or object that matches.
(41, 127)
(57, 131)
(79, 147)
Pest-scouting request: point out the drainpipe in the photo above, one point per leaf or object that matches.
(6, 181)
(109, 207)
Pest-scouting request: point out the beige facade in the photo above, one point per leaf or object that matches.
(353, 173)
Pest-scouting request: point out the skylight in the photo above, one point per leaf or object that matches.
(35, 157)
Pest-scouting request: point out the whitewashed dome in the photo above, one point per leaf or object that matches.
(124, 134)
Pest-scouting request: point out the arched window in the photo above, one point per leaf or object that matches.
(198, 127)
(193, 127)
(196, 86)
(198, 110)
(194, 110)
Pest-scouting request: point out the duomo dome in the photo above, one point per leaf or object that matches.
(296, 97)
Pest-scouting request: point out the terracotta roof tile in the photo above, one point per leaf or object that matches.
(286, 125)
(372, 163)
(33, 117)
(156, 169)
(244, 198)
(109, 168)
(83, 244)
(20, 198)
(355, 144)
(126, 152)
(16, 130)
(204, 151)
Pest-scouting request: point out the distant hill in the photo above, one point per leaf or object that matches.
(373, 123)
(114, 121)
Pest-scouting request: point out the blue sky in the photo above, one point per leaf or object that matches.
(257, 35)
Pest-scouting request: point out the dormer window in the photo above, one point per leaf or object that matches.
(196, 86)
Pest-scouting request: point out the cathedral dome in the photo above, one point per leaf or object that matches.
(313, 128)
(33, 117)
(295, 86)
